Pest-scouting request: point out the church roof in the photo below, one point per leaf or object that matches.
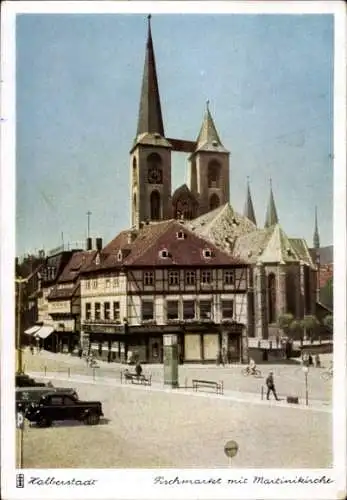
(271, 217)
(183, 191)
(249, 209)
(150, 121)
(222, 226)
(302, 250)
(208, 138)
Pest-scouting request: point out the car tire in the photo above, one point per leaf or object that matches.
(92, 419)
(44, 422)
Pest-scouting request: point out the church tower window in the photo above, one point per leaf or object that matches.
(214, 202)
(154, 169)
(155, 205)
(213, 174)
(272, 297)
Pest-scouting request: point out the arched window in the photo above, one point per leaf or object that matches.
(213, 174)
(134, 170)
(155, 205)
(154, 169)
(134, 203)
(214, 201)
(271, 283)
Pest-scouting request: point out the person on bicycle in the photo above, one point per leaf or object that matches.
(252, 366)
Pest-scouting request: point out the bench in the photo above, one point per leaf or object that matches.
(135, 379)
(293, 400)
(217, 386)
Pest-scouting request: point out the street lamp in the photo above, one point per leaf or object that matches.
(20, 281)
(305, 370)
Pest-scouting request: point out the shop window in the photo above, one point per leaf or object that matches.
(97, 310)
(107, 310)
(88, 311)
(190, 277)
(188, 309)
(227, 309)
(173, 278)
(147, 310)
(172, 309)
(206, 277)
(148, 278)
(116, 311)
(272, 297)
(228, 277)
(205, 309)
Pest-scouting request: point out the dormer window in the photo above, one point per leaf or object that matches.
(289, 251)
(214, 143)
(164, 253)
(260, 251)
(207, 253)
(250, 253)
(120, 255)
(180, 235)
(97, 260)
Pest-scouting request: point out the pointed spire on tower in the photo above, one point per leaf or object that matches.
(150, 118)
(271, 212)
(208, 138)
(249, 209)
(316, 242)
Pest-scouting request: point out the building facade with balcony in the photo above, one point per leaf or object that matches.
(163, 279)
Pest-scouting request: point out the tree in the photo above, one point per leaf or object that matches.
(284, 321)
(296, 328)
(310, 323)
(328, 321)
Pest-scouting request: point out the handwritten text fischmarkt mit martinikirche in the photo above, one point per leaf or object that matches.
(263, 480)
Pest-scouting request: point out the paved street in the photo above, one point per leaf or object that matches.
(289, 378)
(150, 427)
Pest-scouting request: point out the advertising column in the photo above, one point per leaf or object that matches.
(170, 360)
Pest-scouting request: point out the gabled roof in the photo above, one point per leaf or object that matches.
(271, 217)
(186, 251)
(250, 246)
(208, 138)
(183, 191)
(151, 239)
(76, 264)
(278, 248)
(302, 250)
(222, 226)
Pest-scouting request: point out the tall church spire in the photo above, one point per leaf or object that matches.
(316, 242)
(271, 212)
(249, 209)
(208, 138)
(150, 118)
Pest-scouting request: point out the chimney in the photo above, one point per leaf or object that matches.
(89, 244)
(98, 243)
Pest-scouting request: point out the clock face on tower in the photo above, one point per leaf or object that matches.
(155, 175)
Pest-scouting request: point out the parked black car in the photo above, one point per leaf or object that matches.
(27, 395)
(63, 406)
(23, 380)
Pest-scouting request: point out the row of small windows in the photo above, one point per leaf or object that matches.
(102, 312)
(187, 310)
(190, 277)
(109, 282)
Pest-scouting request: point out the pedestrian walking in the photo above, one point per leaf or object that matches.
(270, 384)
(138, 369)
(31, 349)
(317, 361)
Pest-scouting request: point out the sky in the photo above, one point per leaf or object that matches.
(269, 81)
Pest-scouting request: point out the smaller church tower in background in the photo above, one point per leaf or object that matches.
(316, 242)
(209, 167)
(249, 209)
(150, 156)
(271, 217)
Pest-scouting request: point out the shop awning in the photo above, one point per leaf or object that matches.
(32, 329)
(44, 332)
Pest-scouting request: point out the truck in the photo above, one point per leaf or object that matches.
(58, 406)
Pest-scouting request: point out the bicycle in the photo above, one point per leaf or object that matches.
(248, 371)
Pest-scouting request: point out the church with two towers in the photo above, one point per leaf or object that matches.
(283, 272)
